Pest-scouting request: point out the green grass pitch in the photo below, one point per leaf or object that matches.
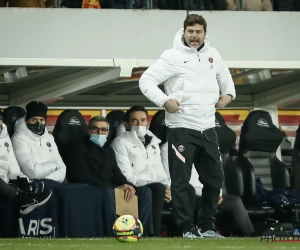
(144, 244)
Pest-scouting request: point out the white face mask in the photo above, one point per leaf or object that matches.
(140, 130)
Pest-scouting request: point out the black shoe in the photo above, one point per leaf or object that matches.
(29, 201)
(193, 233)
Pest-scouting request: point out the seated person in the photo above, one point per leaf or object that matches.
(227, 203)
(10, 171)
(93, 162)
(138, 157)
(35, 148)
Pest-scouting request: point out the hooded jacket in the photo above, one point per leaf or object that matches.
(141, 165)
(38, 156)
(194, 78)
(9, 167)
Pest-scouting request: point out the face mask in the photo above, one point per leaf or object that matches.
(140, 130)
(99, 140)
(37, 128)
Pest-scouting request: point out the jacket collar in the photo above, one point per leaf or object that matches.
(132, 137)
(21, 127)
(178, 43)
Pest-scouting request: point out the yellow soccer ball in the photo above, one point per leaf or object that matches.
(128, 228)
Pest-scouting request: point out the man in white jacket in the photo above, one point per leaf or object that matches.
(138, 157)
(35, 148)
(195, 80)
(10, 171)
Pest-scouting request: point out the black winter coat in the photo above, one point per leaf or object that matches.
(94, 165)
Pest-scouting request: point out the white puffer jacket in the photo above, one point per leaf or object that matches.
(194, 78)
(9, 167)
(140, 165)
(38, 156)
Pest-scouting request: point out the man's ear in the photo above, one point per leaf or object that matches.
(126, 125)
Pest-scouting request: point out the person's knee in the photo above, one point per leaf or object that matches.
(108, 193)
(157, 190)
(144, 192)
(160, 187)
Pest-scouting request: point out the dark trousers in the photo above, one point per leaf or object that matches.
(109, 209)
(158, 192)
(185, 147)
(192, 205)
(232, 209)
(7, 190)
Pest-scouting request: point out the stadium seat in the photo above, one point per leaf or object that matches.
(115, 118)
(158, 126)
(233, 175)
(296, 162)
(69, 128)
(259, 141)
(10, 115)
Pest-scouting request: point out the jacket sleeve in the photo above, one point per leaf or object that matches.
(162, 175)
(165, 161)
(13, 167)
(28, 166)
(156, 74)
(224, 79)
(60, 171)
(118, 177)
(78, 168)
(3, 170)
(122, 157)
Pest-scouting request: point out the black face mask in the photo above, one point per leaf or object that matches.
(37, 128)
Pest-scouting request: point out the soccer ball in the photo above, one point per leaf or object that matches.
(127, 228)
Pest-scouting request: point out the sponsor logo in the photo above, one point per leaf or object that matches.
(217, 124)
(48, 144)
(37, 228)
(6, 144)
(124, 233)
(163, 122)
(210, 59)
(262, 122)
(181, 148)
(185, 61)
(153, 146)
(117, 122)
(14, 118)
(74, 121)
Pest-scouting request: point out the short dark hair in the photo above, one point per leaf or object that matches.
(97, 118)
(193, 19)
(134, 109)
